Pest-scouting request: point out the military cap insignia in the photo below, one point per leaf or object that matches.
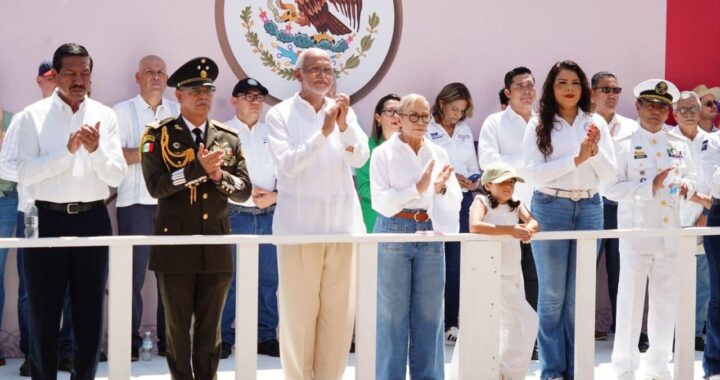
(661, 88)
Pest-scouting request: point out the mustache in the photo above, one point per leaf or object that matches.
(77, 86)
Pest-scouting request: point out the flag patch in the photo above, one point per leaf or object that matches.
(148, 147)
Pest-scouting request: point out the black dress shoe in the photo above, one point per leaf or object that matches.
(699, 344)
(643, 344)
(134, 354)
(65, 365)
(269, 347)
(2, 362)
(25, 368)
(225, 350)
(103, 356)
(534, 353)
(161, 351)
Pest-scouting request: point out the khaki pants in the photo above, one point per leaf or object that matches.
(316, 303)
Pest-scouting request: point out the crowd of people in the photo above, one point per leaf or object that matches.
(572, 163)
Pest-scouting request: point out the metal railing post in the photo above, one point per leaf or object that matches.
(585, 308)
(685, 308)
(119, 311)
(366, 318)
(478, 348)
(246, 305)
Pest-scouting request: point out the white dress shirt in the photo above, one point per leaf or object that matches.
(691, 211)
(500, 141)
(49, 170)
(259, 161)
(395, 170)
(133, 115)
(8, 162)
(558, 171)
(459, 147)
(316, 194)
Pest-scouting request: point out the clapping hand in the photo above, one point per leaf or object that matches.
(442, 177)
(211, 162)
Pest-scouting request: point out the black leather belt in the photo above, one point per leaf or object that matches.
(71, 208)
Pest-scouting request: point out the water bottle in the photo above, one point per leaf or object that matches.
(147, 347)
(31, 220)
(674, 190)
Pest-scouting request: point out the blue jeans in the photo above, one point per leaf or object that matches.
(452, 265)
(245, 223)
(65, 337)
(711, 357)
(555, 261)
(702, 293)
(411, 281)
(8, 210)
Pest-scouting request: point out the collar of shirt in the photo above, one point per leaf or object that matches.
(62, 105)
(299, 101)
(510, 112)
(241, 125)
(142, 106)
(192, 126)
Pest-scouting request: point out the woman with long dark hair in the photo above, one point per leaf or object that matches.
(568, 151)
(385, 123)
(449, 129)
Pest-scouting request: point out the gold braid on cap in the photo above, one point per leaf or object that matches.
(183, 158)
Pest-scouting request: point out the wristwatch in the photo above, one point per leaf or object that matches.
(443, 190)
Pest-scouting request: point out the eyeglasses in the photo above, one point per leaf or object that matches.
(389, 112)
(251, 97)
(686, 110)
(328, 71)
(415, 118)
(607, 90)
(195, 91)
(711, 103)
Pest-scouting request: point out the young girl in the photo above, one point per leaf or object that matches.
(497, 213)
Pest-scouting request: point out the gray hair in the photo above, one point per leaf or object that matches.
(687, 95)
(311, 51)
(409, 100)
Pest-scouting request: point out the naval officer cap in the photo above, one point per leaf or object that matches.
(197, 72)
(658, 91)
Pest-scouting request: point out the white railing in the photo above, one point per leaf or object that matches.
(479, 294)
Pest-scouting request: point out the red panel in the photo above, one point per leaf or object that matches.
(692, 53)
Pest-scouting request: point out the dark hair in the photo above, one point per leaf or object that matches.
(549, 106)
(503, 98)
(376, 133)
(520, 70)
(513, 203)
(600, 75)
(450, 93)
(69, 50)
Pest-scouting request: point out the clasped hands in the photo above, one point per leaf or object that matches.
(589, 145)
(424, 183)
(86, 136)
(337, 114)
(211, 161)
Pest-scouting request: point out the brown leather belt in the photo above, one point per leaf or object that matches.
(419, 216)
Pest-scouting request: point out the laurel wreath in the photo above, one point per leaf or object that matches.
(287, 73)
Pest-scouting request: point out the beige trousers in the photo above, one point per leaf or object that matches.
(316, 304)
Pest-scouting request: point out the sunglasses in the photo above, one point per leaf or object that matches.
(607, 90)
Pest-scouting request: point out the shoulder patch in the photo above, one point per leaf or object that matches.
(158, 124)
(224, 127)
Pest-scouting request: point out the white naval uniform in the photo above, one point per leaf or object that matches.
(641, 155)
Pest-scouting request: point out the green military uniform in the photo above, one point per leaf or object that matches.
(193, 279)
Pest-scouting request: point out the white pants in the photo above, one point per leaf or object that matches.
(518, 330)
(658, 271)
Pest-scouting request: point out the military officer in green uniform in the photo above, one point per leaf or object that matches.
(192, 165)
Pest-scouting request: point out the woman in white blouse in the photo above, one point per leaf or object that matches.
(449, 129)
(568, 151)
(413, 190)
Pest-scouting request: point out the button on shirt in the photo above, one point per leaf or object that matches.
(395, 170)
(499, 141)
(316, 194)
(558, 171)
(133, 115)
(259, 161)
(46, 166)
(690, 211)
(459, 147)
